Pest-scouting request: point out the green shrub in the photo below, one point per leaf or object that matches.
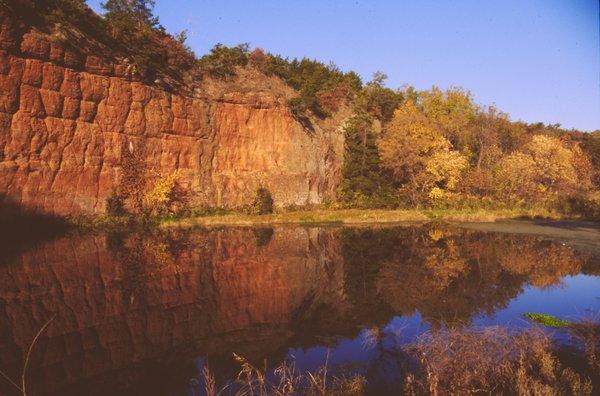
(584, 205)
(547, 320)
(263, 202)
(222, 61)
(364, 184)
(115, 205)
(205, 211)
(321, 88)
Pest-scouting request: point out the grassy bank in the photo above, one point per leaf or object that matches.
(356, 216)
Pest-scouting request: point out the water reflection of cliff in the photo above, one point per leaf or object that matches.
(134, 310)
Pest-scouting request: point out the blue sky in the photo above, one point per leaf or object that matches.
(538, 60)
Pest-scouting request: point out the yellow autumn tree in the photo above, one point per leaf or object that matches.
(554, 162)
(159, 195)
(516, 177)
(453, 112)
(421, 159)
(544, 169)
(408, 141)
(446, 168)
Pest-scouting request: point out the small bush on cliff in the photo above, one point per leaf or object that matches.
(132, 183)
(143, 191)
(159, 197)
(149, 47)
(222, 61)
(263, 202)
(152, 194)
(115, 205)
(322, 88)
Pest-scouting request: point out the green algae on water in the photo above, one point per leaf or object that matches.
(547, 320)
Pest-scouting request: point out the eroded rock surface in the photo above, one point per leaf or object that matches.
(66, 119)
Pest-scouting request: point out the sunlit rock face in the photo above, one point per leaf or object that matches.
(122, 301)
(66, 120)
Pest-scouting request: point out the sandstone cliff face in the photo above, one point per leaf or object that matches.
(67, 117)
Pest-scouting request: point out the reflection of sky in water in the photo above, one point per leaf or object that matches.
(574, 298)
(154, 302)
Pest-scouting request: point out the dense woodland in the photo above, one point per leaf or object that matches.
(440, 149)
(404, 147)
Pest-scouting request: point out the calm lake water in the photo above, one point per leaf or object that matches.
(142, 314)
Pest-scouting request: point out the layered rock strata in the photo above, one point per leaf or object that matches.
(67, 117)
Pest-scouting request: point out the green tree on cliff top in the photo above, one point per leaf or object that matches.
(130, 16)
(134, 25)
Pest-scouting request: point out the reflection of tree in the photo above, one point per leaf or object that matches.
(389, 362)
(448, 275)
(445, 263)
(163, 296)
(543, 263)
(363, 250)
(263, 235)
(144, 258)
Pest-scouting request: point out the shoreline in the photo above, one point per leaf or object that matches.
(25, 223)
(362, 217)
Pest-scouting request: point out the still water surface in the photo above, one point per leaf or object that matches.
(142, 313)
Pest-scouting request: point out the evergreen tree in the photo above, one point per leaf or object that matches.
(363, 183)
(130, 16)
(134, 25)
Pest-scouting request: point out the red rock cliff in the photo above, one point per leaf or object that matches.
(66, 117)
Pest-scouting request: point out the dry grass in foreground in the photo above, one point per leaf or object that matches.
(289, 381)
(492, 360)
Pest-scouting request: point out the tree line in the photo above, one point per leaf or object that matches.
(128, 29)
(404, 147)
(440, 149)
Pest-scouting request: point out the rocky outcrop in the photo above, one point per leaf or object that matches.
(66, 119)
